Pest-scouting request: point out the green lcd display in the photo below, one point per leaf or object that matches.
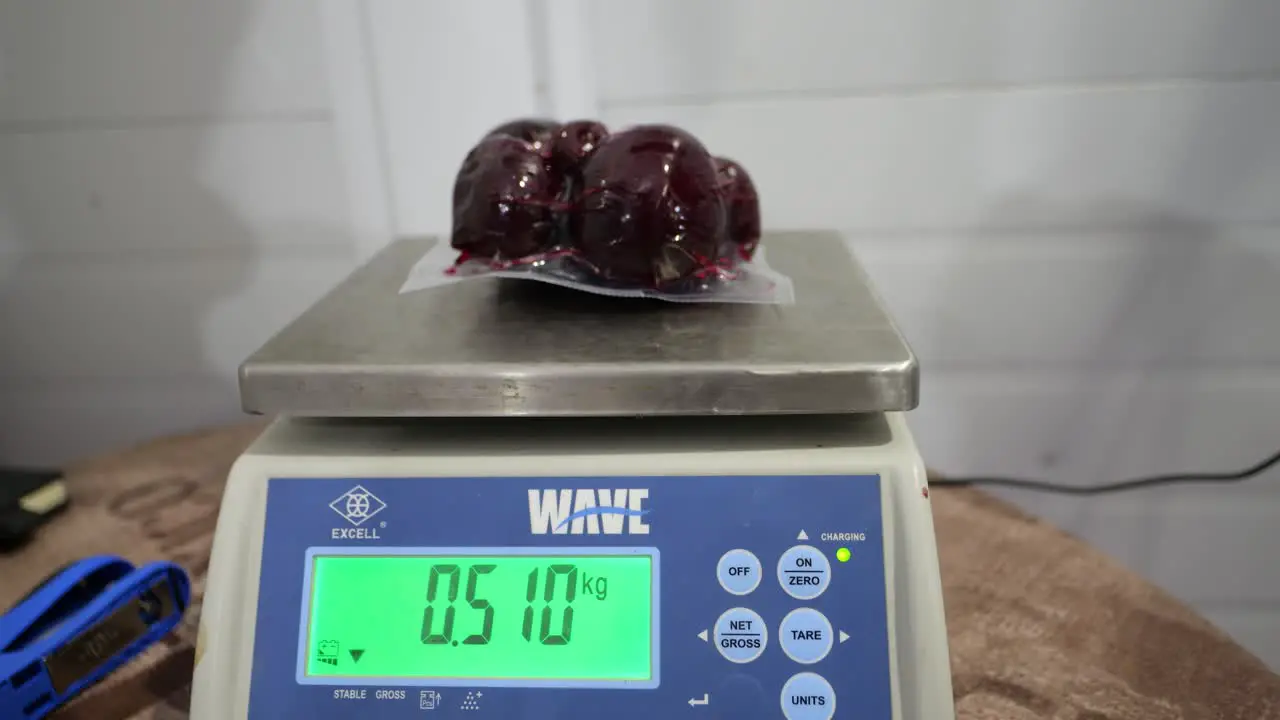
(531, 619)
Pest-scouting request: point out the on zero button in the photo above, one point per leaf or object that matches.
(738, 572)
(804, 572)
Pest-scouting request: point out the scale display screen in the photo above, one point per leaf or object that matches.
(519, 616)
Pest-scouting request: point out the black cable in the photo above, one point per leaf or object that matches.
(1123, 486)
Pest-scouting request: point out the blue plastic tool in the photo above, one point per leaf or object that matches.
(81, 624)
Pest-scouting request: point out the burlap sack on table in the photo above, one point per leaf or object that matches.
(1041, 625)
(158, 501)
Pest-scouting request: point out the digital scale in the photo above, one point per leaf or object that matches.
(508, 500)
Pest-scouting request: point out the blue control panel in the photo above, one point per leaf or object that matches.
(768, 601)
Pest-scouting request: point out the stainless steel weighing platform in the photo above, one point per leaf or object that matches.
(489, 347)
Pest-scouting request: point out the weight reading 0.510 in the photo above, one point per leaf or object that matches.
(527, 617)
(547, 579)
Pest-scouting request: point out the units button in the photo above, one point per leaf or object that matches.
(738, 572)
(808, 696)
(741, 635)
(805, 635)
(804, 572)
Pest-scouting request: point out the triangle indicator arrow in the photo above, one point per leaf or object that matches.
(702, 636)
(356, 655)
(843, 636)
(803, 535)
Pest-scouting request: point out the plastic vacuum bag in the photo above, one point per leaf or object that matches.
(646, 212)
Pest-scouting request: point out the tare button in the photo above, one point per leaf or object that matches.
(805, 635)
(738, 572)
(741, 635)
(804, 572)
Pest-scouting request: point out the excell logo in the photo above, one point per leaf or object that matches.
(356, 506)
(576, 511)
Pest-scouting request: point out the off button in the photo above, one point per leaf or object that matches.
(738, 572)
(804, 572)
(741, 635)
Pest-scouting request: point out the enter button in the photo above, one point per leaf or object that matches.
(805, 635)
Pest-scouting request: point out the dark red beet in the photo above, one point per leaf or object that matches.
(538, 132)
(743, 206)
(574, 142)
(651, 212)
(562, 147)
(502, 200)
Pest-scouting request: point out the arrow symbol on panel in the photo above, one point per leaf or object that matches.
(355, 655)
(843, 636)
(706, 700)
(702, 636)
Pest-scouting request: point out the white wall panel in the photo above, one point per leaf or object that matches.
(1086, 428)
(708, 48)
(76, 62)
(1176, 294)
(446, 71)
(154, 316)
(175, 189)
(171, 193)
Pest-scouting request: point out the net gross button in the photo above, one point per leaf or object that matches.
(741, 635)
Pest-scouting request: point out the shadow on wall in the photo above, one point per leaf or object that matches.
(102, 340)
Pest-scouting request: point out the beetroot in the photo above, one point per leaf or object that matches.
(503, 200)
(538, 132)
(647, 208)
(651, 212)
(743, 206)
(573, 143)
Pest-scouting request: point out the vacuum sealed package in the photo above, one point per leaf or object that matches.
(646, 212)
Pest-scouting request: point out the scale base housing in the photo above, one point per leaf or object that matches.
(742, 447)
